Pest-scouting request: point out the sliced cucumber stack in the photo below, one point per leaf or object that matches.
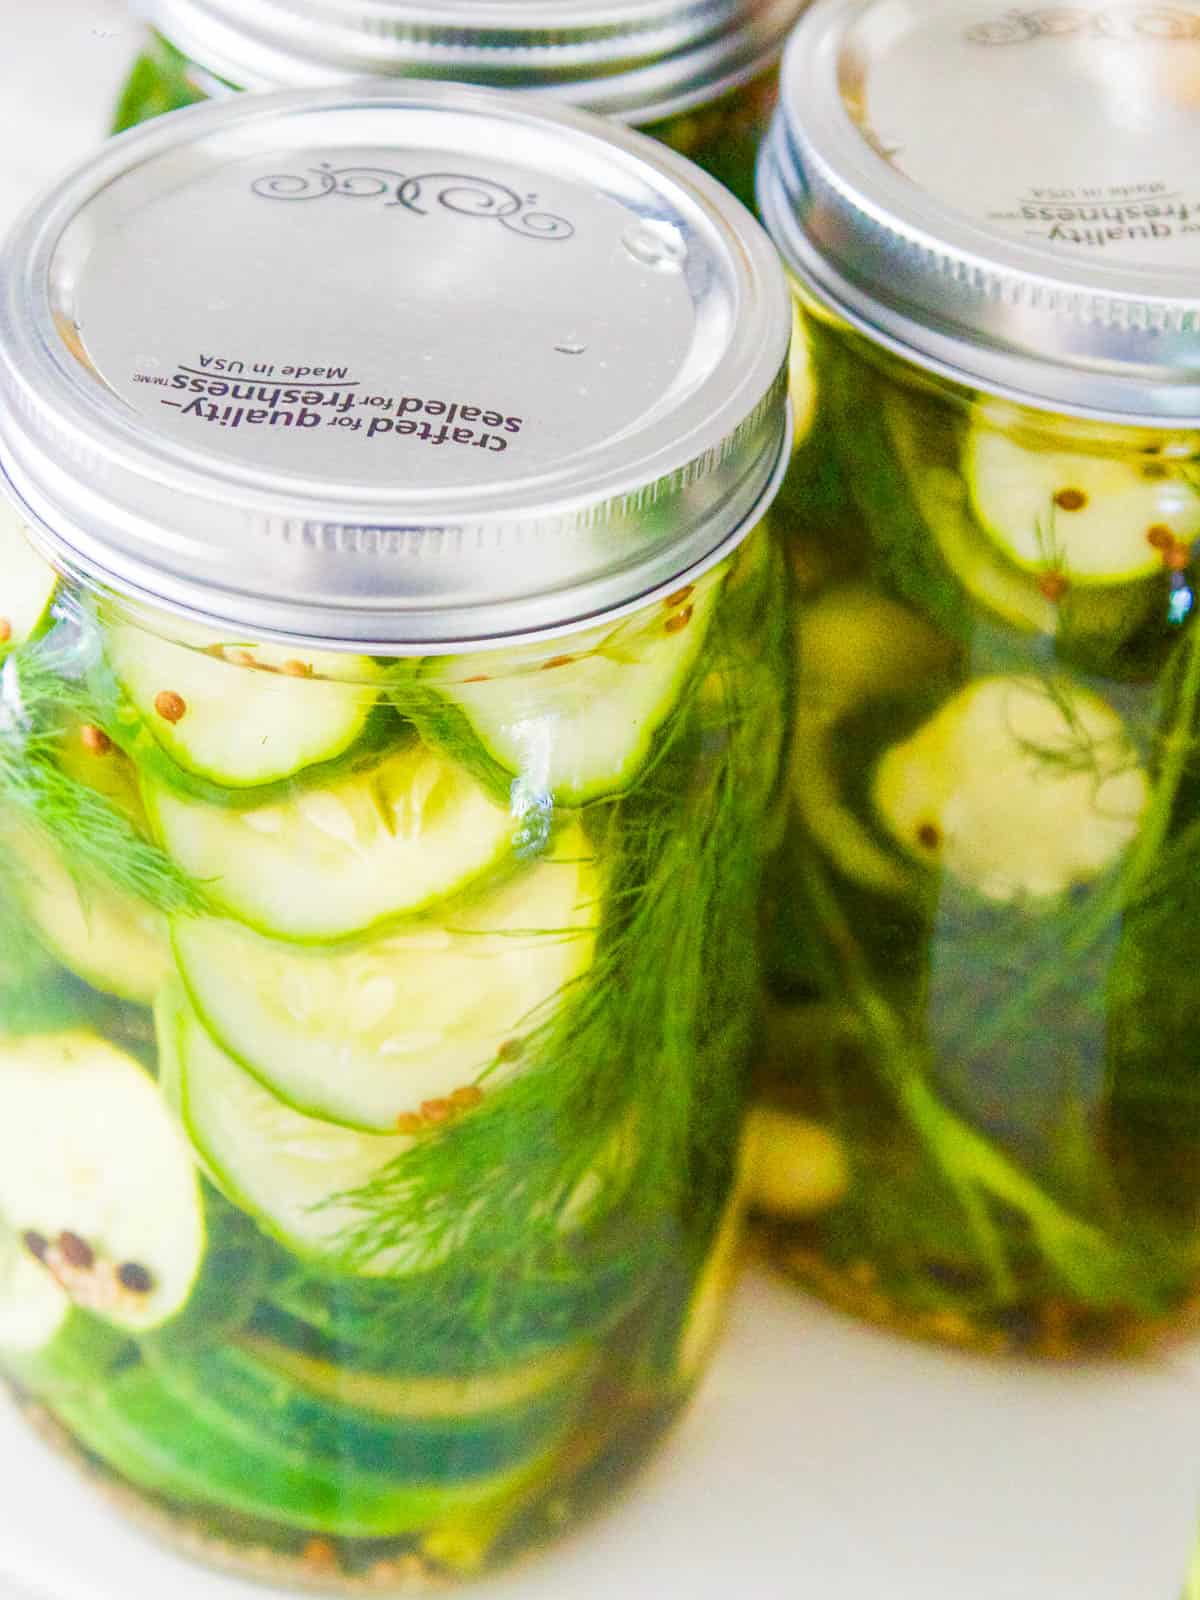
(1020, 787)
(579, 724)
(242, 715)
(171, 1439)
(27, 585)
(243, 1381)
(97, 1180)
(1092, 518)
(337, 861)
(286, 1170)
(368, 1035)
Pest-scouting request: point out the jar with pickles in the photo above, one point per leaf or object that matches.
(700, 75)
(984, 1070)
(390, 723)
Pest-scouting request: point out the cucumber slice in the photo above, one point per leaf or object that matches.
(423, 1325)
(27, 586)
(1093, 623)
(1019, 787)
(294, 1174)
(141, 1427)
(579, 724)
(713, 1291)
(88, 756)
(112, 940)
(390, 1395)
(1094, 519)
(94, 1170)
(223, 1385)
(370, 1034)
(333, 862)
(285, 1169)
(853, 645)
(242, 715)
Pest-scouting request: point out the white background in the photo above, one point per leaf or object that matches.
(822, 1461)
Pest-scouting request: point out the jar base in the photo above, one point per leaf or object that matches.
(597, 1469)
(1048, 1328)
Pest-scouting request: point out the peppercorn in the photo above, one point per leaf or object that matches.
(76, 1252)
(133, 1276)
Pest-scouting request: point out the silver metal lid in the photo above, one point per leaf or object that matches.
(634, 59)
(326, 365)
(1008, 196)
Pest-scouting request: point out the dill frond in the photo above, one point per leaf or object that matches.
(614, 1147)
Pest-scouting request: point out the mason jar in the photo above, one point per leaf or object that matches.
(700, 75)
(983, 1077)
(394, 679)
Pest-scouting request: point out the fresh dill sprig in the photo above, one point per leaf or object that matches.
(990, 1188)
(614, 1147)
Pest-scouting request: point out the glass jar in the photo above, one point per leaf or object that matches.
(700, 75)
(984, 1119)
(385, 763)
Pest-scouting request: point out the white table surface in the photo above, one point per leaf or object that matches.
(822, 1460)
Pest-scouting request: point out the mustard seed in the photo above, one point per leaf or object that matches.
(169, 705)
(1070, 499)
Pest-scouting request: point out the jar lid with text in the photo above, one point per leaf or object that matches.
(410, 366)
(1006, 195)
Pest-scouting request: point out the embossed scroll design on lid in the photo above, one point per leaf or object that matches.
(1149, 21)
(467, 195)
